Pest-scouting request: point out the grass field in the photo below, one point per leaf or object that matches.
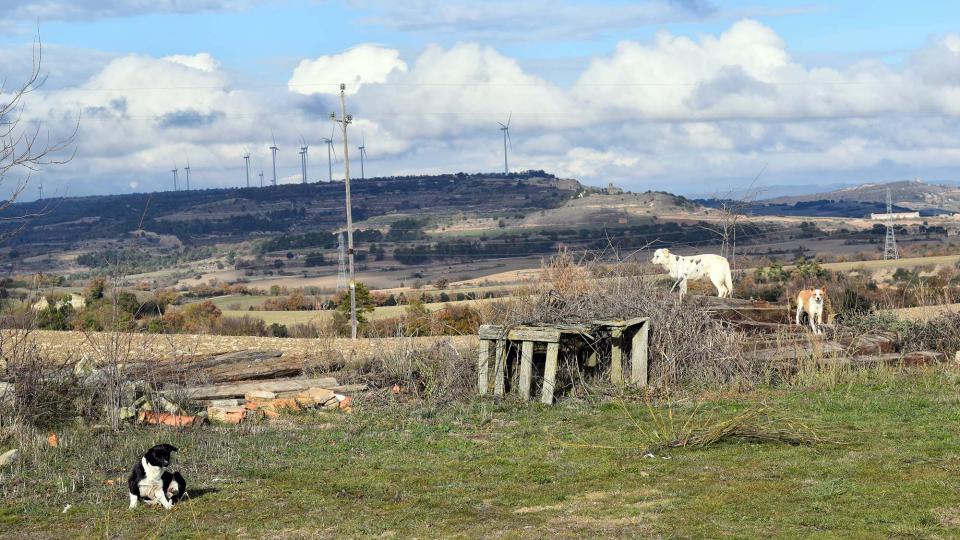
(298, 317)
(505, 471)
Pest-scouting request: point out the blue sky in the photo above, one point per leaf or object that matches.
(687, 95)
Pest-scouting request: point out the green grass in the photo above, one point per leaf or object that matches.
(495, 470)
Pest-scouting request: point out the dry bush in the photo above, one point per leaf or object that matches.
(687, 347)
(44, 393)
(437, 373)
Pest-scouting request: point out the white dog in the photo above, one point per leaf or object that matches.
(811, 302)
(696, 267)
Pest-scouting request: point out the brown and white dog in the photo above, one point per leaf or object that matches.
(811, 302)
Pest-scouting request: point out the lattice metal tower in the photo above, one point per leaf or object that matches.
(890, 248)
(342, 273)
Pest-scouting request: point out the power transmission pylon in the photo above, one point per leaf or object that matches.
(342, 273)
(890, 247)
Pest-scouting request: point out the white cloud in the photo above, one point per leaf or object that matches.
(365, 64)
(201, 61)
(671, 113)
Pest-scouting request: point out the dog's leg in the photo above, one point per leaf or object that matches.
(162, 499)
(683, 288)
(812, 318)
(133, 500)
(799, 312)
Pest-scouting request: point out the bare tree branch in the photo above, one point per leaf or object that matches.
(27, 147)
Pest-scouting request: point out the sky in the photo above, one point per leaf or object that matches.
(689, 96)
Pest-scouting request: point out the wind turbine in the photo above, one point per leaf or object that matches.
(174, 171)
(303, 160)
(363, 153)
(330, 150)
(261, 178)
(246, 160)
(274, 149)
(505, 128)
(40, 188)
(187, 168)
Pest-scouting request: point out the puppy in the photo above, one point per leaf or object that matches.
(811, 302)
(151, 483)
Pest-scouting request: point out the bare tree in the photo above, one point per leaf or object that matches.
(26, 147)
(732, 211)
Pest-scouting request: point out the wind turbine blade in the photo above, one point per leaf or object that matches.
(509, 140)
(273, 137)
(508, 118)
(333, 131)
(502, 126)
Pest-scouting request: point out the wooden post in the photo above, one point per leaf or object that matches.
(550, 373)
(500, 364)
(616, 357)
(526, 370)
(483, 366)
(638, 355)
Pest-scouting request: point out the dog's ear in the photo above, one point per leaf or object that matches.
(170, 447)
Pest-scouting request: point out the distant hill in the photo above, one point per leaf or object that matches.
(913, 194)
(236, 214)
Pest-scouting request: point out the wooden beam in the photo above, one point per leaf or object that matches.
(483, 366)
(550, 373)
(222, 391)
(542, 334)
(500, 364)
(616, 361)
(638, 355)
(526, 370)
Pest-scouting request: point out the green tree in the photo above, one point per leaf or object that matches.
(95, 288)
(365, 303)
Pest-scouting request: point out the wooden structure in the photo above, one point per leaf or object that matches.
(495, 342)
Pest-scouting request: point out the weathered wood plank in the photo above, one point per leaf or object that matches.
(218, 368)
(526, 370)
(221, 391)
(500, 365)
(825, 349)
(545, 334)
(616, 361)
(550, 373)
(483, 365)
(638, 355)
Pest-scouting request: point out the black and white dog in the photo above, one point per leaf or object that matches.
(151, 483)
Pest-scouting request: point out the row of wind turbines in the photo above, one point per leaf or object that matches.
(303, 152)
(331, 157)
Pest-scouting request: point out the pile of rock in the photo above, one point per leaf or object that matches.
(271, 405)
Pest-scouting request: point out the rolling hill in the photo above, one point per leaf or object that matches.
(912, 194)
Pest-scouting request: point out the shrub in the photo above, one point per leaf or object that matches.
(241, 326)
(687, 346)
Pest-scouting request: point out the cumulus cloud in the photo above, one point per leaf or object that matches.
(672, 112)
(359, 66)
(201, 61)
